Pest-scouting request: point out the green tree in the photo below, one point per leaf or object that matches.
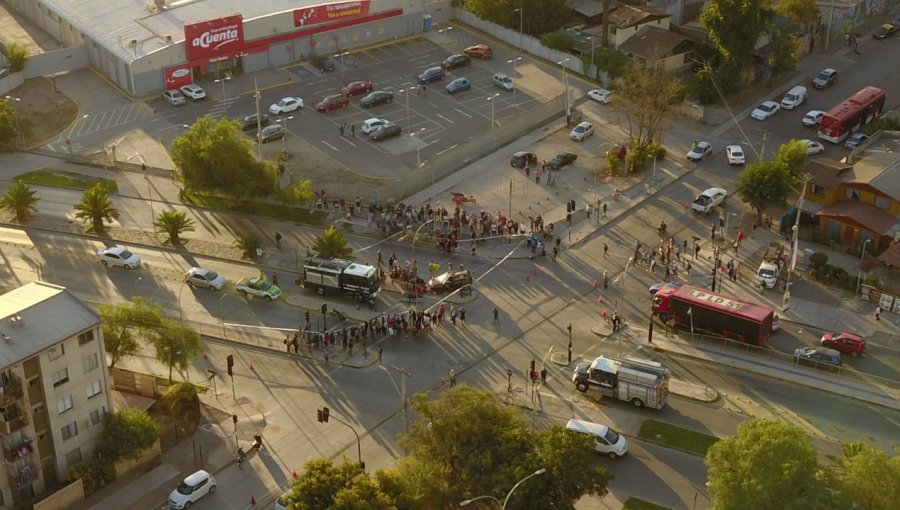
(247, 245)
(792, 156)
(175, 345)
(344, 486)
(183, 403)
(125, 324)
(735, 26)
(7, 121)
(767, 464)
(785, 53)
(558, 40)
(174, 223)
(300, 193)
(764, 183)
(96, 207)
(611, 60)
(333, 244)
(537, 16)
(803, 12)
(17, 55)
(19, 199)
(214, 155)
(868, 478)
(649, 97)
(127, 433)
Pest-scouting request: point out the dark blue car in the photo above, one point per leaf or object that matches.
(430, 75)
(458, 85)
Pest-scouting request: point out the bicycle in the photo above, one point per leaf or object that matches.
(241, 457)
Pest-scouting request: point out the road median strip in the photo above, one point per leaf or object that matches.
(673, 436)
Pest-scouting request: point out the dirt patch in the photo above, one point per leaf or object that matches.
(43, 111)
(326, 173)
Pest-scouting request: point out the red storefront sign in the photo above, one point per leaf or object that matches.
(212, 38)
(178, 76)
(330, 12)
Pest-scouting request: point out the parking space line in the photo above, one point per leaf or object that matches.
(346, 140)
(448, 120)
(448, 149)
(332, 147)
(463, 113)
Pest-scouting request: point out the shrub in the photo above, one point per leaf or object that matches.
(871, 280)
(558, 40)
(94, 475)
(637, 158)
(884, 124)
(818, 259)
(17, 55)
(658, 151)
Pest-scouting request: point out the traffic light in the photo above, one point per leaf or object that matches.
(531, 367)
(319, 415)
(234, 418)
(325, 414)
(306, 316)
(572, 205)
(230, 360)
(324, 308)
(568, 207)
(569, 218)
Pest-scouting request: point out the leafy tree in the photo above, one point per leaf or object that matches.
(868, 478)
(299, 193)
(558, 40)
(247, 245)
(734, 27)
(345, 486)
(176, 345)
(649, 97)
(333, 244)
(7, 121)
(182, 402)
(20, 200)
(174, 223)
(785, 54)
(792, 156)
(96, 207)
(767, 464)
(804, 12)
(764, 183)
(611, 60)
(127, 433)
(537, 16)
(127, 323)
(214, 155)
(17, 55)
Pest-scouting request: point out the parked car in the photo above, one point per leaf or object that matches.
(193, 91)
(845, 342)
(370, 125)
(765, 110)
(699, 151)
(825, 78)
(386, 131)
(448, 282)
(332, 102)
(432, 74)
(482, 51)
(258, 287)
(454, 61)
(191, 489)
(813, 147)
(817, 356)
(503, 81)
(562, 159)
(458, 85)
(202, 278)
(173, 97)
(323, 64)
(602, 96)
(812, 118)
(885, 31)
(376, 98)
(118, 257)
(355, 88)
(853, 141)
(794, 97)
(581, 131)
(249, 122)
(735, 155)
(272, 132)
(286, 105)
(709, 199)
(522, 158)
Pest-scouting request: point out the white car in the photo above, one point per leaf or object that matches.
(765, 110)
(173, 97)
(503, 81)
(287, 104)
(370, 125)
(191, 489)
(706, 201)
(119, 257)
(600, 95)
(204, 279)
(582, 131)
(699, 151)
(193, 91)
(735, 155)
(812, 118)
(813, 147)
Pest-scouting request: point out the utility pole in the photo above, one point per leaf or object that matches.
(569, 327)
(509, 211)
(786, 299)
(258, 120)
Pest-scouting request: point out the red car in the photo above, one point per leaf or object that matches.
(850, 343)
(354, 88)
(482, 51)
(332, 102)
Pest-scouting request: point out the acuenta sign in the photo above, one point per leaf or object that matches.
(212, 38)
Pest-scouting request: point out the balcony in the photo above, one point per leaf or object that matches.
(11, 391)
(22, 474)
(21, 451)
(8, 427)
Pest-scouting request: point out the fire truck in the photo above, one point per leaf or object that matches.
(639, 381)
(331, 274)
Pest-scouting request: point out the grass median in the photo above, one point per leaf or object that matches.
(640, 504)
(61, 179)
(674, 436)
(269, 210)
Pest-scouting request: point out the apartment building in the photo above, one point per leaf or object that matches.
(54, 389)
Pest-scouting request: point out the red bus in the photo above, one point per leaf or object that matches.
(857, 111)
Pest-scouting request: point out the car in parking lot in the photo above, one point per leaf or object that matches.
(522, 159)
(258, 286)
(355, 88)
(845, 342)
(249, 122)
(173, 97)
(332, 102)
(602, 96)
(376, 98)
(817, 356)
(456, 60)
(813, 147)
(699, 150)
(191, 489)
(482, 51)
(503, 81)
(118, 257)
(765, 110)
(430, 75)
(581, 131)
(372, 124)
(825, 78)
(885, 31)
(286, 105)
(562, 159)
(853, 141)
(458, 85)
(193, 91)
(735, 155)
(271, 132)
(202, 278)
(323, 64)
(812, 118)
(386, 131)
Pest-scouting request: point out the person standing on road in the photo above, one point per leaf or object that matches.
(452, 377)
(878, 313)
(496, 317)
(342, 129)
(558, 241)
(278, 240)
(462, 316)
(379, 354)
(274, 278)
(353, 130)
(605, 250)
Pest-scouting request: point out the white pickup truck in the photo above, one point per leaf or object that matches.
(706, 201)
(768, 273)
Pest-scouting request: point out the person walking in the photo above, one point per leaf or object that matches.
(696, 250)
(278, 240)
(353, 130)
(453, 314)
(452, 377)
(496, 317)
(878, 313)
(342, 129)
(462, 316)
(274, 278)
(605, 250)
(604, 209)
(379, 354)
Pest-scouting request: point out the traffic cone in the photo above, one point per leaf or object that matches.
(252, 500)
(294, 473)
(603, 313)
(600, 299)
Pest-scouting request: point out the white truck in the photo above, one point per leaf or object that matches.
(639, 381)
(768, 273)
(709, 199)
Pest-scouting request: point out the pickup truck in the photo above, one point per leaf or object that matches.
(258, 287)
(768, 273)
(709, 199)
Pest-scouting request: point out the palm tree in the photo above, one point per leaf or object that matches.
(19, 199)
(247, 245)
(96, 207)
(174, 223)
(332, 244)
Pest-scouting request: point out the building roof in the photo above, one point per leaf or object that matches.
(827, 172)
(891, 256)
(37, 316)
(863, 216)
(630, 15)
(588, 8)
(652, 43)
(880, 170)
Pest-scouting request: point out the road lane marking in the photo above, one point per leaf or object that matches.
(463, 113)
(332, 147)
(446, 119)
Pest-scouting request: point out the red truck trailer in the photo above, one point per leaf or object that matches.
(707, 312)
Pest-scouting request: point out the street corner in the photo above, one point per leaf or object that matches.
(365, 360)
(693, 391)
(605, 328)
(561, 359)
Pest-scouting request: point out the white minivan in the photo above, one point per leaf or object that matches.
(794, 97)
(606, 440)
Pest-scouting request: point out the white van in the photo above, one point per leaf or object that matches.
(794, 97)
(606, 440)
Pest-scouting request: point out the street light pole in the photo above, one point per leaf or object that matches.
(341, 56)
(502, 504)
(562, 64)
(406, 92)
(446, 33)
(415, 235)
(401, 390)
(521, 11)
(515, 79)
(491, 99)
(862, 257)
